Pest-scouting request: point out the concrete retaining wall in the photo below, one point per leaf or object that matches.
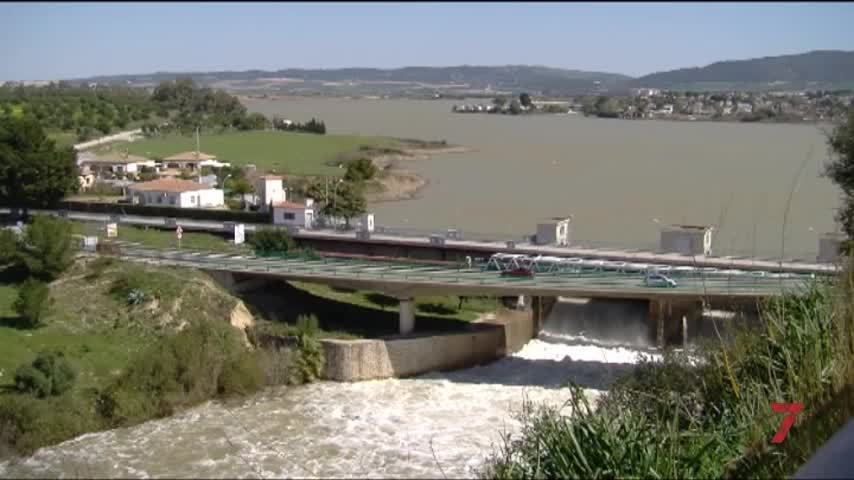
(353, 360)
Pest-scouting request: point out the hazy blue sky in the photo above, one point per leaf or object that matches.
(47, 41)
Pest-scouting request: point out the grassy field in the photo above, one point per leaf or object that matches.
(91, 325)
(279, 152)
(156, 238)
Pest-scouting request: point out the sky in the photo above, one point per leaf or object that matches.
(45, 41)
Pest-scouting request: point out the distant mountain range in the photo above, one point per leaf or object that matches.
(818, 68)
(823, 69)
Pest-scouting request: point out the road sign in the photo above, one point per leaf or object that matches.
(239, 234)
(112, 230)
(179, 232)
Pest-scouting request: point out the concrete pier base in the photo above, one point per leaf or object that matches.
(407, 315)
(669, 320)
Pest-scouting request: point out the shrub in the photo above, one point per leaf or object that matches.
(204, 360)
(49, 374)
(308, 358)
(33, 303)
(28, 423)
(269, 239)
(8, 246)
(48, 247)
(706, 416)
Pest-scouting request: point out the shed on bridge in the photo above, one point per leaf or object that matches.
(687, 239)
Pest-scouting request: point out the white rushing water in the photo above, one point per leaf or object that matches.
(429, 426)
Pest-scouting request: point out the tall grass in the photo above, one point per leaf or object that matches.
(708, 415)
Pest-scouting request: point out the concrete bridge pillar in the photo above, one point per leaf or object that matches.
(669, 320)
(407, 315)
(541, 307)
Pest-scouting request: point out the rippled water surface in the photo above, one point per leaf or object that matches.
(443, 423)
(614, 176)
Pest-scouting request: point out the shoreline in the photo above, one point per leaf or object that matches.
(399, 183)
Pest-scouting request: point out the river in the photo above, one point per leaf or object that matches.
(428, 426)
(620, 179)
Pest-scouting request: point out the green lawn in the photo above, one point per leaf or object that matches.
(436, 307)
(156, 238)
(279, 152)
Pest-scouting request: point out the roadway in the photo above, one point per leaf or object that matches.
(408, 280)
(472, 247)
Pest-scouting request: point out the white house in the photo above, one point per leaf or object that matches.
(115, 163)
(294, 214)
(192, 161)
(745, 108)
(172, 192)
(270, 190)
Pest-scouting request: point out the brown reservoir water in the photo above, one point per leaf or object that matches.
(618, 178)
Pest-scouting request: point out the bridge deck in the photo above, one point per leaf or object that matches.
(488, 247)
(409, 279)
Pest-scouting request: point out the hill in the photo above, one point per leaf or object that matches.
(820, 69)
(512, 78)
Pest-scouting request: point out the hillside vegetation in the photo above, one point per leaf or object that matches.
(817, 69)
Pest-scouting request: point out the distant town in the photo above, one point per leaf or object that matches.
(651, 103)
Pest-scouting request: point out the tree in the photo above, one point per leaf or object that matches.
(525, 100)
(239, 186)
(360, 170)
(33, 171)
(47, 248)
(33, 303)
(49, 374)
(499, 101)
(348, 201)
(841, 170)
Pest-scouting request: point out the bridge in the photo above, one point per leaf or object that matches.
(406, 280)
(389, 243)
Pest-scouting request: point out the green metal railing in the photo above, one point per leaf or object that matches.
(313, 266)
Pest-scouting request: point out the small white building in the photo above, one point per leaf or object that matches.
(294, 214)
(554, 232)
(270, 190)
(115, 163)
(687, 239)
(192, 161)
(171, 192)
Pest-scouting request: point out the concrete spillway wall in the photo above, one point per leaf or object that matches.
(354, 360)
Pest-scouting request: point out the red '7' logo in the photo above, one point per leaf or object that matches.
(790, 409)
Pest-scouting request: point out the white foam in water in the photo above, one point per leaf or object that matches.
(433, 425)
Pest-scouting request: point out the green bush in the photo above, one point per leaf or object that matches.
(270, 239)
(28, 423)
(48, 247)
(33, 303)
(49, 374)
(8, 246)
(204, 360)
(706, 415)
(308, 358)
